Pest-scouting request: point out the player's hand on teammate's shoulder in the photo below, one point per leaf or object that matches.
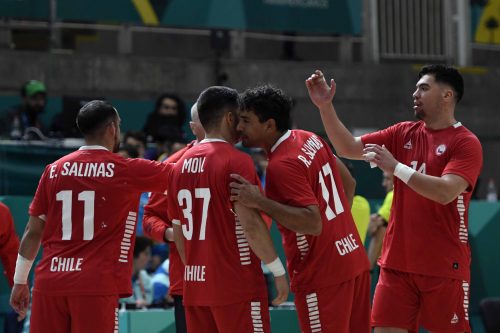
(282, 289)
(19, 299)
(320, 93)
(245, 192)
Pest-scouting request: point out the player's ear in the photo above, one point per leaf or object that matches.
(271, 124)
(448, 94)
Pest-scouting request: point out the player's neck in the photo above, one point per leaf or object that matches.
(440, 123)
(219, 135)
(97, 142)
(271, 141)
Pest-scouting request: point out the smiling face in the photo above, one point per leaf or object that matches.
(252, 131)
(428, 98)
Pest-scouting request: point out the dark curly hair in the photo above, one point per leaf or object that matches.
(268, 102)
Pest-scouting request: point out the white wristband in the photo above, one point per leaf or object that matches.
(403, 172)
(23, 267)
(276, 267)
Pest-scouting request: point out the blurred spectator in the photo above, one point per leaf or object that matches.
(137, 140)
(360, 211)
(360, 208)
(22, 121)
(142, 295)
(166, 121)
(379, 221)
(260, 160)
(159, 252)
(161, 285)
(170, 149)
(128, 151)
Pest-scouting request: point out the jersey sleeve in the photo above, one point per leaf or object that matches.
(172, 204)
(288, 184)
(385, 210)
(155, 220)
(382, 137)
(39, 205)
(466, 160)
(9, 243)
(148, 176)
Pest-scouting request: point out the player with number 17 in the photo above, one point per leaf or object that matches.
(308, 194)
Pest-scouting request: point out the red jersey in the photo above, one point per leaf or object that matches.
(424, 236)
(156, 221)
(220, 266)
(9, 243)
(302, 172)
(88, 200)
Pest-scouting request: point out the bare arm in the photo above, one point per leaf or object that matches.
(32, 238)
(179, 240)
(20, 295)
(346, 145)
(304, 220)
(259, 239)
(442, 189)
(347, 180)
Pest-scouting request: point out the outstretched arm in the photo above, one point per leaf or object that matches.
(345, 144)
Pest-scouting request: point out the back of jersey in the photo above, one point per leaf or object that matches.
(89, 202)
(220, 266)
(303, 172)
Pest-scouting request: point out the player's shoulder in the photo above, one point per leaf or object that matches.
(464, 132)
(409, 125)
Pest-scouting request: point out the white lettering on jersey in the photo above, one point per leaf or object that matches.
(194, 273)
(53, 173)
(82, 169)
(310, 148)
(193, 165)
(58, 264)
(414, 165)
(346, 245)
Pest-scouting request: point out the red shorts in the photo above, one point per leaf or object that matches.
(342, 308)
(245, 317)
(406, 300)
(73, 314)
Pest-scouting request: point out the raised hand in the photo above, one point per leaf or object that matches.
(320, 93)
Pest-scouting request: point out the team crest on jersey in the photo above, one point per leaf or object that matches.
(440, 150)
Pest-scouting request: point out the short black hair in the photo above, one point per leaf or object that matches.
(213, 104)
(268, 102)
(94, 116)
(141, 244)
(445, 74)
